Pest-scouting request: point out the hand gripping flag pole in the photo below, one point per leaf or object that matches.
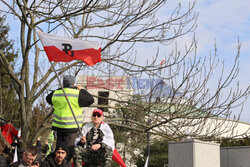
(60, 49)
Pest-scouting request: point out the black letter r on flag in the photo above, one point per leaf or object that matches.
(67, 48)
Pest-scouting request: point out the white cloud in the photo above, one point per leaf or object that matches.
(223, 19)
(226, 13)
(245, 47)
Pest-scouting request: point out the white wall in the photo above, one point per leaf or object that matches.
(235, 156)
(194, 153)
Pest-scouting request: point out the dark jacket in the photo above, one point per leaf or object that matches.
(50, 162)
(85, 99)
(3, 162)
(39, 151)
(17, 163)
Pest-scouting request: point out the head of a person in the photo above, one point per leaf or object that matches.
(29, 155)
(97, 117)
(60, 154)
(68, 81)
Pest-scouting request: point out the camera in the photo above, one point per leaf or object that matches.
(35, 163)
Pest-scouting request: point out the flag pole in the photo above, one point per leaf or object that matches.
(79, 129)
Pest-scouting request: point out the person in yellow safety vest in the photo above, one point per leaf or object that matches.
(63, 121)
(49, 145)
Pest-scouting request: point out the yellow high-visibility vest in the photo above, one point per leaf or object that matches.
(63, 117)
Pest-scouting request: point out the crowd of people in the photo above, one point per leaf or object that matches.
(90, 145)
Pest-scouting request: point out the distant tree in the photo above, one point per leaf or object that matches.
(127, 134)
(228, 142)
(8, 97)
(39, 114)
(158, 154)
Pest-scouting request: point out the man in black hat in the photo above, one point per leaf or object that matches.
(63, 120)
(57, 159)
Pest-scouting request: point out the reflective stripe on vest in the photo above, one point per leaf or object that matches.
(67, 118)
(66, 123)
(63, 117)
(51, 137)
(67, 94)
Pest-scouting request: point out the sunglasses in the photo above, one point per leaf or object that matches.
(96, 114)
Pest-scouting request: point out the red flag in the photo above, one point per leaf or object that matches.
(117, 158)
(163, 61)
(61, 49)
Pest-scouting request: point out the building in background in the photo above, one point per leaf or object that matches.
(104, 89)
(108, 91)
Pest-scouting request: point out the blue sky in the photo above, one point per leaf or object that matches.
(225, 21)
